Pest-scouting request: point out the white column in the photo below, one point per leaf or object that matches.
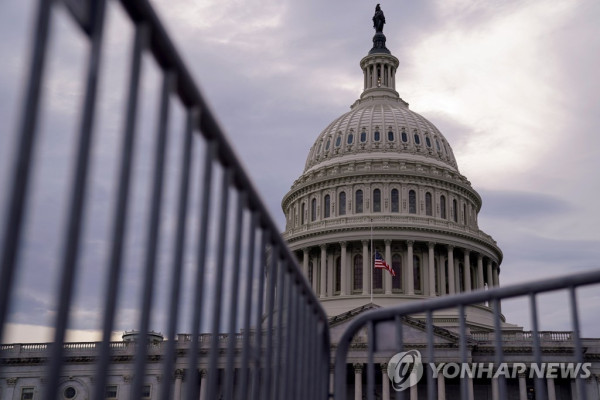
(442, 272)
(431, 269)
(489, 274)
(496, 277)
(331, 377)
(479, 272)
(522, 387)
(410, 280)
(203, 384)
(451, 289)
(385, 383)
(441, 386)
(456, 275)
(551, 388)
(495, 392)
(344, 272)
(315, 272)
(467, 270)
(305, 262)
(330, 270)
(388, 259)
(358, 381)
(414, 394)
(322, 286)
(366, 289)
(178, 380)
(471, 392)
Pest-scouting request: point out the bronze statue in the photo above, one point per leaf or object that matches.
(378, 19)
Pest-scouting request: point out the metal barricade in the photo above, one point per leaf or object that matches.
(281, 336)
(388, 323)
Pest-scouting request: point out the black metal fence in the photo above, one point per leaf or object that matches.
(388, 324)
(245, 283)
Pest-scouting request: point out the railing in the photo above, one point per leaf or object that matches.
(268, 296)
(388, 323)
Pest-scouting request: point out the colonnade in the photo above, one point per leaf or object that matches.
(440, 385)
(424, 268)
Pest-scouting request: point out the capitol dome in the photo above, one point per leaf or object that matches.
(381, 181)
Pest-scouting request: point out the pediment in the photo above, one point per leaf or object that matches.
(414, 331)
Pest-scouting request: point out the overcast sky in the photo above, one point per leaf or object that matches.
(514, 86)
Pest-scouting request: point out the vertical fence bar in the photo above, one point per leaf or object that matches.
(153, 235)
(218, 284)
(540, 388)
(430, 356)
(464, 390)
(292, 360)
(282, 291)
(26, 136)
(191, 387)
(370, 366)
(499, 357)
(77, 201)
(577, 340)
(258, 351)
(243, 389)
(120, 216)
(237, 250)
(400, 395)
(271, 287)
(178, 252)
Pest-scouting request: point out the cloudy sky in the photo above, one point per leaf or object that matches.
(513, 85)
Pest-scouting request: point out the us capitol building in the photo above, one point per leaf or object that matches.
(378, 179)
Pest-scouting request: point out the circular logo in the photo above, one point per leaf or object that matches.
(405, 369)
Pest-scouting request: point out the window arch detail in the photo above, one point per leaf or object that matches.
(412, 202)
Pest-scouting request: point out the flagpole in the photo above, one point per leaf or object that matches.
(372, 261)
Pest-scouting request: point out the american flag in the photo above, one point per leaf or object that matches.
(381, 264)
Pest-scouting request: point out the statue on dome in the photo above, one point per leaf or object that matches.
(378, 19)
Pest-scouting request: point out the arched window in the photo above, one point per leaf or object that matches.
(404, 137)
(376, 136)
(428, 141)
(428, 204)
(342, 204)
(303, 214)
(437, 145)
(455, 210)
(417, 138)
(358, 202)
(412, 202)
(338, 141)
(390, 136)
(465, 220)
(328, 144)
(357, 281)
(363, 136)
(350, 138)
(397, 267)
(376, 200)
(313, 210)
(395, 201)
(443, 206)
(338, 274)
(417, 273)
(326, 211)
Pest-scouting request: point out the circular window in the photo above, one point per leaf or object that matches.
(70, 392)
